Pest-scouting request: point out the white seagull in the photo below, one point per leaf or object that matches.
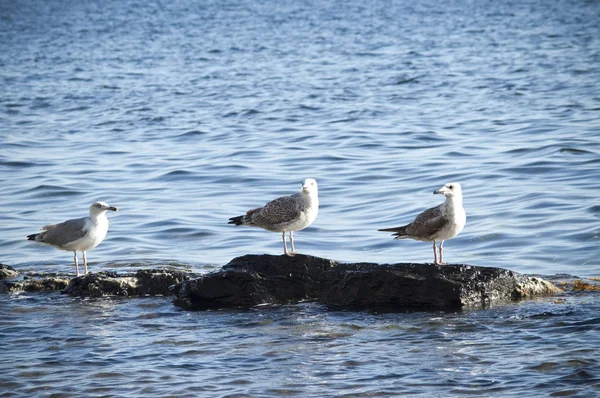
(285, 214)
(78, 234)
(439, 223)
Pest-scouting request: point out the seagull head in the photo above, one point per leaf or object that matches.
(101, 207)
(452, 189)
(309, 186)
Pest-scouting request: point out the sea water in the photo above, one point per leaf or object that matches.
(184, 114)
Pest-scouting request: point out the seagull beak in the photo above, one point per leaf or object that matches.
(113, 208)
(440, 191)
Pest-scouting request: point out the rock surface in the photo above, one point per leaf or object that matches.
(148, 282)
(33, 284)
(7, 272)
(263, 279)
(259, 279)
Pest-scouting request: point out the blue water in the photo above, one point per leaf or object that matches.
(184, 114)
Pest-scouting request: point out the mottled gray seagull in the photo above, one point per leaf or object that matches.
(285, 214)
(439, 223)
(79, 234)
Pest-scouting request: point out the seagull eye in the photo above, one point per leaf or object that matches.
(451, 186)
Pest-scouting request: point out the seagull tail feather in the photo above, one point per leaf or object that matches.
(400, 232)
(239, 220)
(32, 236)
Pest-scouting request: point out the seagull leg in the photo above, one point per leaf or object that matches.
(292, 242)
(441, 252)
(76, 263)
(285, 250)
(84, 262)
(435, 254)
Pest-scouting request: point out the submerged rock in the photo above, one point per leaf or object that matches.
(7, 272)
(591, 285)
(260, 279)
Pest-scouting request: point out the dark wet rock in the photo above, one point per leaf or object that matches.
(428, 286)
(150, 282)
(7, 272)
(255, 279)
(263, 279)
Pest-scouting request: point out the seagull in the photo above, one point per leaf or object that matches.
(439, 223)
(285, 214)
(78, 234)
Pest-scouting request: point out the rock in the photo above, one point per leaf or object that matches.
(255, 279)
(427, 286)
(148, 282)
(7, 272)
(98, 284)
(151, 282)
(530, 286)
(263, 279)
(34, 285)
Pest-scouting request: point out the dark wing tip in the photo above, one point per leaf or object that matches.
(397, 229)
(398, 232)
(236, 220)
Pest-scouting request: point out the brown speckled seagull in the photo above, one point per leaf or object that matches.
(439, 223)
(285, 214)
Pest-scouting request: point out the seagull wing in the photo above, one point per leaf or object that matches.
(66, 232)
(276, 213)
(427, 224)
